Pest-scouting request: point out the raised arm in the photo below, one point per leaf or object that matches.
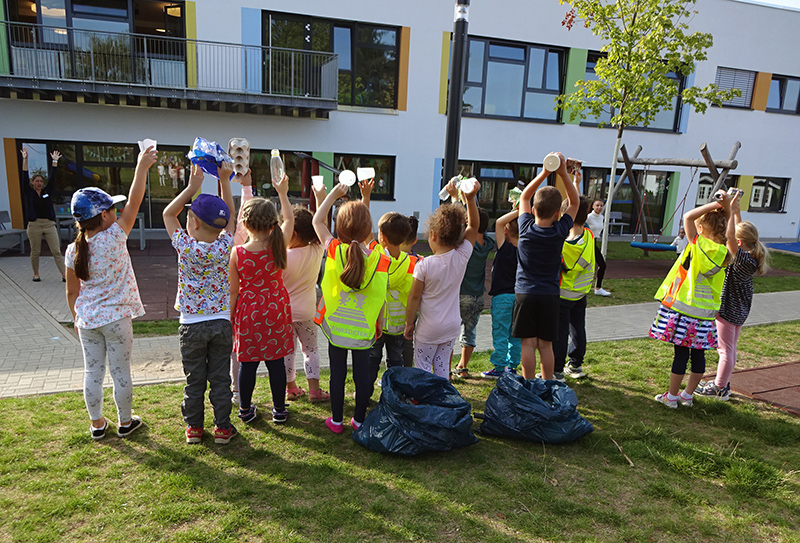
(240, 235)
(473, 219)
(734, 218)
(51, 170)
(319, 220)
(171, 212)
(225, 171)
(287, 227)
(500, 226)
(366, 186)
(319, 197)
(127, 218)
(529, 190)
(573, 194)
(25, 180)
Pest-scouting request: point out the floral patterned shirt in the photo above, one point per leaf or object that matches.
(203, 287)
(111, 292)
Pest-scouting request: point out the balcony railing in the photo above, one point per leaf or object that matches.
(69, 59)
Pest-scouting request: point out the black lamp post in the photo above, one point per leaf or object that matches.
(454, 99)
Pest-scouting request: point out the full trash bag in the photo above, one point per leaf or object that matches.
(417, 412)
(536, 410)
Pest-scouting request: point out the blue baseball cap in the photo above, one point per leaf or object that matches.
(91, 201)
(212, 210)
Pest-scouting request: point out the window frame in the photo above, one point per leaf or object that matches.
(355, 193)
(763, 184)
(526, 65)
(783, 82)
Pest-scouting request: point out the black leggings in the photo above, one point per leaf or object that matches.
(682, 358)
(277, 383)
(361, 378)
(601, 265)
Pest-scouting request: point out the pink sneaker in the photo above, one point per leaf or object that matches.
(333, 427)
(354, 424)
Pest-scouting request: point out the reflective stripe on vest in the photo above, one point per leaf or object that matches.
(348, 316)
(400, 280)
(693, 285)
(576, 280)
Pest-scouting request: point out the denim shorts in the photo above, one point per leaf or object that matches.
(471, 307)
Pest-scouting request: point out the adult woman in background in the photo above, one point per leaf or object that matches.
(41, 214)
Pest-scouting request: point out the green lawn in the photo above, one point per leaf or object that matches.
(714, 472)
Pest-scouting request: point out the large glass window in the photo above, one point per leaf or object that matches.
(511, 80)
(768, 194)
(368, 53)
(497, 179)
(784, 94)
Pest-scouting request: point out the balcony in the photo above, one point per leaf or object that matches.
(67, 64)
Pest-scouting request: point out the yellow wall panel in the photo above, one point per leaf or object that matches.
(191, 48)
(746, 184)
(445, 73)
(761, 91)
(402, 83)
(12, 178)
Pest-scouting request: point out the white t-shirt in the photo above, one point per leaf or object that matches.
(111, 292)
(595, 223)
(439, 314)
(300, 279)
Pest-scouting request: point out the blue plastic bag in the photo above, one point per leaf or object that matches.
(209, 155)
(417, 412)
(536, 410)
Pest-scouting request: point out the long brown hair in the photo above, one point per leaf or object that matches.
(353, 225)
(260, 215)
(82, 245)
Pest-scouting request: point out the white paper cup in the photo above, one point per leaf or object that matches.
(347, 177)
(145, 143)
(551, 162)
(318, 182)
(365, 173)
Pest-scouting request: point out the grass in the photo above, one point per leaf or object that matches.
(715, 472)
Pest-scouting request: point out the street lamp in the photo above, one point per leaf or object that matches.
(454, 98)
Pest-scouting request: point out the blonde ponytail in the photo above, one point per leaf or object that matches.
(747, 233)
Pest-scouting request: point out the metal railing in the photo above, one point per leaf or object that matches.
(70, 55)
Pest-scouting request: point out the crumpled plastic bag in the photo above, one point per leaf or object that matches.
(536, 410)
(209, 155)
(417, 412)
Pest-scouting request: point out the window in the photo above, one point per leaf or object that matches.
(783, 94)
(768, 194)
(665, 120)
(368, 53)
(730, 78)
(497, 179)
(704, 187)
(511, 80)
(384, 173)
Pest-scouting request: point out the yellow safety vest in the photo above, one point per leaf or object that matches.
(694, 284)
(577, 267)
(348, 317)
(401, 278)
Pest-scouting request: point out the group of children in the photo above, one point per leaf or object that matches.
(247, 293)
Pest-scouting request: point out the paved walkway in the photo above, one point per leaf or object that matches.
(38, 355)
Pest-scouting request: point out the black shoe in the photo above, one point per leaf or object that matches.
(248, 415)
(98, 433)
(125, 431)
(280, 416)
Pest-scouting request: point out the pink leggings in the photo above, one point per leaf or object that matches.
(727, 338)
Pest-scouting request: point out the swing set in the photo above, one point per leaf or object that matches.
(640, 197)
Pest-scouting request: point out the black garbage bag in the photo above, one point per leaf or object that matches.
(536, 410)
(417, 412)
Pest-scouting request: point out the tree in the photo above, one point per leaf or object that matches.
(647, 49)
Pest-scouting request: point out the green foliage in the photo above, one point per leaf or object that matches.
(645, 41)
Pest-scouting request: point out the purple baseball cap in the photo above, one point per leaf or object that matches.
(91, 201)
(212, 210)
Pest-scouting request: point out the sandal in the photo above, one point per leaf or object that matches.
(293, 394)
(460, 372)
(319, 395)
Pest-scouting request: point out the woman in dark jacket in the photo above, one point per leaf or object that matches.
(40, 214)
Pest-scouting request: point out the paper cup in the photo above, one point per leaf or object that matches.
(365, 173)
(551, 162)
(346, 177)
(318, 181)
(145, 143)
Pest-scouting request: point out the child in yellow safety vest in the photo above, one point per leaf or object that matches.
(353, 295)
(690, 297)
(577, 275)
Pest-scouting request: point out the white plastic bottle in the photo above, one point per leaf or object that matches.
(276, 167)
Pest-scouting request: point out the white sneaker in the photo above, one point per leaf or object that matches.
(235, 399)
(602, 292)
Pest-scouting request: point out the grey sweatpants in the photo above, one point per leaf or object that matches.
(114, 340)
(206, 354)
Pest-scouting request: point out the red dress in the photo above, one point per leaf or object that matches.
(262, 323)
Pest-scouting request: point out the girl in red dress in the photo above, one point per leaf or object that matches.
(262, 316)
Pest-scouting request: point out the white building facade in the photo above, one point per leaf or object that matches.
(363, 83)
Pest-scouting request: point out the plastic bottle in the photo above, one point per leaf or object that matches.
(551, 162)
(276, 167)
(443, 194)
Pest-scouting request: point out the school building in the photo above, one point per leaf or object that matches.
(360, 83)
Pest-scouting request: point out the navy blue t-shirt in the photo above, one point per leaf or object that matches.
(504, 270)
(539, 255)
